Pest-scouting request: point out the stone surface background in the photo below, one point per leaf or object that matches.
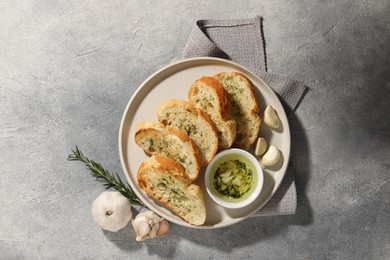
(68, 69)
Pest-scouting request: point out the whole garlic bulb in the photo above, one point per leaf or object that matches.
(111, 211)
(149, 225)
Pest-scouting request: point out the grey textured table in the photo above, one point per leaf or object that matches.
(68, 69)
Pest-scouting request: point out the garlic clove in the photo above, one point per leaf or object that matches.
(270, 117)
(141, 229)
(271, 157)
(149, 225)
(111, 211)
(154, 227)
(261, 146)
(163, 228)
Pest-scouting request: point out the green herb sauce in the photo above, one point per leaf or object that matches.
(233, 179)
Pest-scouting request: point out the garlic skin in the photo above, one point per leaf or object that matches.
(270, 117)
(149, 225)
(261, 146)
(271, 157)
(111, 211)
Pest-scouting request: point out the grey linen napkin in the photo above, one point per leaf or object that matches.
(242, 42)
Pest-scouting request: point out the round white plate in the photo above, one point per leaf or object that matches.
(174, 81)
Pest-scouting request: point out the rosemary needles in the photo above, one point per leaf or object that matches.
(109, 179)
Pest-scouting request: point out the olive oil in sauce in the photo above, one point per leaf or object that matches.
(233, 178)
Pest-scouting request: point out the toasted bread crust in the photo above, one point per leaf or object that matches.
(244, 106)
(209, 95)
(156, 139)
(171, 166)
(164, 180)
(173, 103)
(224, 106)
(183, 116)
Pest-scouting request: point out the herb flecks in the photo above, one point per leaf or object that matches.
(233, 179)
(110, 180)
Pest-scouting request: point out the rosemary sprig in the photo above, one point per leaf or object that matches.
(109, 180)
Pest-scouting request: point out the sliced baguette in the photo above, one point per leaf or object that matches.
(183, 116)
(244, 107)
(164, 180)
(208, 95)
(155, 138)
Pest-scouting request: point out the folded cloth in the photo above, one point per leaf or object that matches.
(242, 41)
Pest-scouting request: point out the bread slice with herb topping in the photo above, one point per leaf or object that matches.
(183, 116)
(208, 95)
(244, 107)
(164, 180)
(156, 139)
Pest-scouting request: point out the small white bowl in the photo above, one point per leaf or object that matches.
(257, 183)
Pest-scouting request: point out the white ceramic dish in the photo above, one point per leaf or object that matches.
(244, 156)
(173, 81)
